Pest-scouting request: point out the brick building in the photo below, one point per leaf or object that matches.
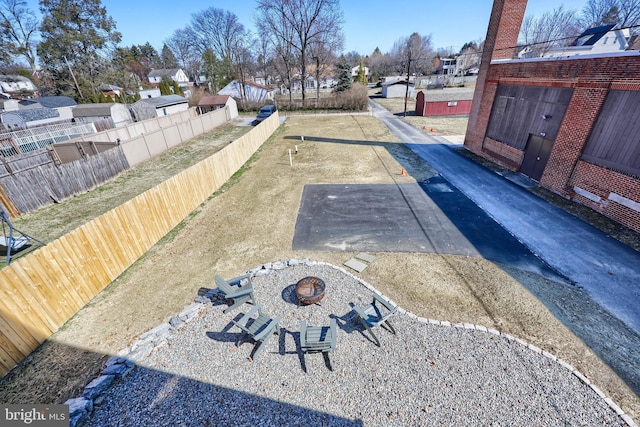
(572, 123)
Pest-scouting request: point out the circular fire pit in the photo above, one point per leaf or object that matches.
(310, 290)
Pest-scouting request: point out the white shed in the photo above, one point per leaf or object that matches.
(397, 90)
(163, 106)
(89, 113)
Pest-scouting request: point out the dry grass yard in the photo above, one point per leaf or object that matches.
(251, 221)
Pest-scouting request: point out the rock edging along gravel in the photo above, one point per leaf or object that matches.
(120, 365)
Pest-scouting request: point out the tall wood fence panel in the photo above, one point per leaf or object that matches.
(40, 291)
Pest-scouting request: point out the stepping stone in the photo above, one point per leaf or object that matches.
(368, 258)
(356, 265)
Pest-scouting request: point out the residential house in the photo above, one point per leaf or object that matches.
(598, 40)
(253, 92)
(447, 102)
(175, 74)
(397, 89)
(30, 117)
(355, 70)
(114, 112)
(150, 93)
(148, 108)
(18, 86)
(63, 104)
(444, 66)
(110, 91)
(215, 102)
(568, 122)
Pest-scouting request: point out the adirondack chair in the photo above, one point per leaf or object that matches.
(239, 294)
(376, 314)
(315, 339)
(259, 329)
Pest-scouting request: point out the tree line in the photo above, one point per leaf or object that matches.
(76, 46)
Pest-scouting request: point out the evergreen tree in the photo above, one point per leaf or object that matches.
(344, 76)
(361, 77)
(176, 88)
(74, 36)
(168, 58)
(165, 87)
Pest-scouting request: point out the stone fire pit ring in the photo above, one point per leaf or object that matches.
(310, 290)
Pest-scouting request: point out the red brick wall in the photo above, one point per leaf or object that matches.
(502, 35)
(601, 182)
(502, 154)
(579, 118)
(591, 79)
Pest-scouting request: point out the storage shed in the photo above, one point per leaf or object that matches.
(89, 113)
(148, 108)
(397, 90)
(215, 102)
(446, 102)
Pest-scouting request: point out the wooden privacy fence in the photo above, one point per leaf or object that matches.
(32, 180)
(42, 290)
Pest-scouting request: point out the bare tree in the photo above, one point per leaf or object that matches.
(624, 13)
(301, 23)
(555, 28)
(18, 30)
(216, 29)
(182, 45)
(415, 54)
(279, 34)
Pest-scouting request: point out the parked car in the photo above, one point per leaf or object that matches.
(265, 112)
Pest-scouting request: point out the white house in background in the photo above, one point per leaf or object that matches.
(89, 113)
(150, 93)
(16, 85)
(29, 117)
(175, 74)
(397, 89)
(355, 70)
(255, 93)
(216, 102)
(63, 104)
(604, 39)
(159, 106)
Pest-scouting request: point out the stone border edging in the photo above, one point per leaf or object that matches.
(120, 365)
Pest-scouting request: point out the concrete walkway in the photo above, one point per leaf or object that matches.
(607, 269)
(594, 263)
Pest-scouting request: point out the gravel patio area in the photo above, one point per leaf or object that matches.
(430, 373)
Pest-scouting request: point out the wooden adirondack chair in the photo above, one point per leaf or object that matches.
(375, 314)
(315, 339)
(239, 294)
(259, 329)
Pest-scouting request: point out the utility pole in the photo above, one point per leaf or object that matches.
(74, 78)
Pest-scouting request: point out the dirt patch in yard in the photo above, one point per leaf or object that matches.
(251, 221)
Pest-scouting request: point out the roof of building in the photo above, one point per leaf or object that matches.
(108, 87)
(34, 114)
(164, 72)
(165, 100)
(54, 101)
(448, 94)
(93, 110)
(590, 36)
(214, 100)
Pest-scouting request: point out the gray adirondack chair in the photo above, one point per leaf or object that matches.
(259, 329)
(315, 339)
(376, 314)
(238, 294)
